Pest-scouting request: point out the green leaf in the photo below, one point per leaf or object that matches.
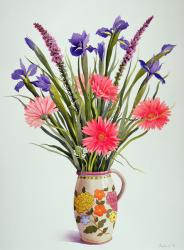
(90, 229)
(156, 90)
(90, 211)
(62, 109)
(23, 104)
(105, 229)
(78, 218)
(100, 234)
(106, 189)
(101, 202)
(114, 63)
(58, 148)
(84, 63)
(101, 223)
(123, 120)
(140, 94)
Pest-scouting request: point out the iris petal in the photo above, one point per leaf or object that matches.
(158, 76)
(19, 86)
(144, 66)
(17, 74)
(32, 70)
(75, 51)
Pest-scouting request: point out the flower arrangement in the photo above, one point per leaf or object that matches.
(95, 113)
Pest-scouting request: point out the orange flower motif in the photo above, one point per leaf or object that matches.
(99, 194)
(100, 210)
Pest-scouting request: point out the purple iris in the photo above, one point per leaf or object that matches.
(30, 43)
(43, 83)
(22, 73)
(152, 68)
(118, 26)
(85, 219)
(80, 44)
(123, 43)
(167, 48)
(100, 50)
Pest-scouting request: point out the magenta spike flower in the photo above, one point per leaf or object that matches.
(132, 48)
(51, 44)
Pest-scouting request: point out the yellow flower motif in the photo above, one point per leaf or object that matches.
(83, 202)
(113, 216)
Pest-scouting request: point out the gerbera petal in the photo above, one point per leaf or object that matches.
(152, 114)
(103, 87)
(35, 109)
(102, 136)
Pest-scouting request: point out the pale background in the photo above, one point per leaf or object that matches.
(36, 188)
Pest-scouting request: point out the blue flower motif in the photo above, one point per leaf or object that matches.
(118, 26)
(43, 83)
(85, 219)
(22, 73)
(152, 68)
(100, 50)
(167, 48)
(80, 44)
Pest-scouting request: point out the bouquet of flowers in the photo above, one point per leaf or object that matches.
(95, 113)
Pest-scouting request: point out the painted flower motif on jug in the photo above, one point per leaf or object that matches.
(95, 210)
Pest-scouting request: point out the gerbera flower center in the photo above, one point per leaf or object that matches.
(151, 116)
(43, 117)
(101, 136)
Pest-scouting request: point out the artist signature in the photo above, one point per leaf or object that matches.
(166, 245)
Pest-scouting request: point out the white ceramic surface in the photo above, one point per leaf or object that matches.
(95, 205)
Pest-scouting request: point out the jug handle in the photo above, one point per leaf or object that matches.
(123, 183)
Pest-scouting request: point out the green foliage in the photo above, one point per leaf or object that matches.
(101, 223)
(65, 126)
(90, 229)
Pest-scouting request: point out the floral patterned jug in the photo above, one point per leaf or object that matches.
(95, 205)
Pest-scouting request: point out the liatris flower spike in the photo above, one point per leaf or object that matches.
(51, 44)
(90, 115)
(132, 48)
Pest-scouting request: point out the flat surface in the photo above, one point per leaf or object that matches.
(36, 188)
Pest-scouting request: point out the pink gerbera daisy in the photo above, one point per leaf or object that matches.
(103, 87)
(153, 112)
(102, 136)
(37, 110)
